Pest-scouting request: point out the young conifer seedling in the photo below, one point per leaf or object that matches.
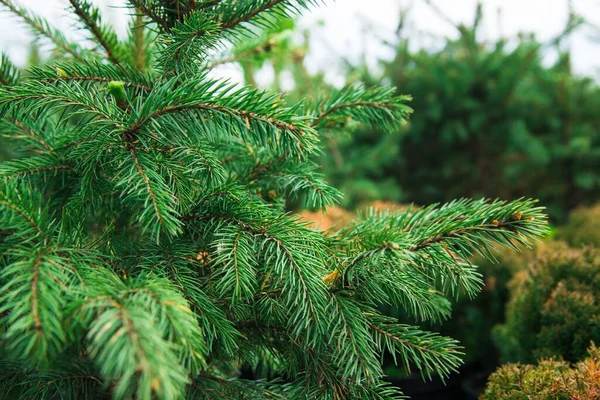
(145, 250)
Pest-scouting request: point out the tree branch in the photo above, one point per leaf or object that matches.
(92, 25)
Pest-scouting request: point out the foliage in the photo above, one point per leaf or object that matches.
(582, 227)
(497, 122)
(550, 379)
(493, 120)
(145, 247)
(473, 320)
(554, 306)
(354, 166)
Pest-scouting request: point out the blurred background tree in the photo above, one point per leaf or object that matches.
(494, 119)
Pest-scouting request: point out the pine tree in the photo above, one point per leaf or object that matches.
(146, 250)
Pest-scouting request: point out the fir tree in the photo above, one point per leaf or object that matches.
(145, 246)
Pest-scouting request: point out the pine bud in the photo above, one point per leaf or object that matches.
(117, 90)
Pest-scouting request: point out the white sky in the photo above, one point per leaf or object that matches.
(346, 20)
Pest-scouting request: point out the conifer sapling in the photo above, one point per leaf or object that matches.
(145, 247)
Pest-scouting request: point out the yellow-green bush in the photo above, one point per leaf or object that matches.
(554, 307)
(583, 227)
(551, 379)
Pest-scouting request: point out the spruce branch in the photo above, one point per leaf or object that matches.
(34, 293)
(43, 29)
(149, 10)
(31, 212)
(159, 212)
(16, 130)
(429, 352)
(374, 106)
(104, 35)
(32, 165)
(9, 74)
(252, 12)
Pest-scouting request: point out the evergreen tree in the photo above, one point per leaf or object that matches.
(145, 247)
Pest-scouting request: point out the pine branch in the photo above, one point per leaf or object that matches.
(377, 107)
(189, 39)
(105, 36)
(20, 131)
(34, 97)
(128, 322)
(42, 28)
(32, 212)
(158, 260)
(354, 347)
(429, 352)
(159, 212)
(292, 179)
(34, 293)
(93, 71)
(236, 18)
(9, 74)
(440, 240)
(148, 11)
(254, 11)
(212, 106)
(235, 265)
(32, 165)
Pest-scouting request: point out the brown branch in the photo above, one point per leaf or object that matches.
(147, 184)
(395, 338)
(94, 79)
(209, 4)
(95, 29)
(190, 6)
(41, 169)
(29, 133)
(134, 129)
(236, 21)
(237, 57)
(457, 233)
(69, 101)
(25, 216)
(351, 105)
(34, 294)
(150, 13)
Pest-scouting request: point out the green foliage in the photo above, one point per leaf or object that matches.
(145, 246)
(550, 379)
(553, 308)
(497, 122)
(473, 320)
(582, 227)
(493, 120)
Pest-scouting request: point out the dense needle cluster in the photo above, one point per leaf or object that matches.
(145, 247)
